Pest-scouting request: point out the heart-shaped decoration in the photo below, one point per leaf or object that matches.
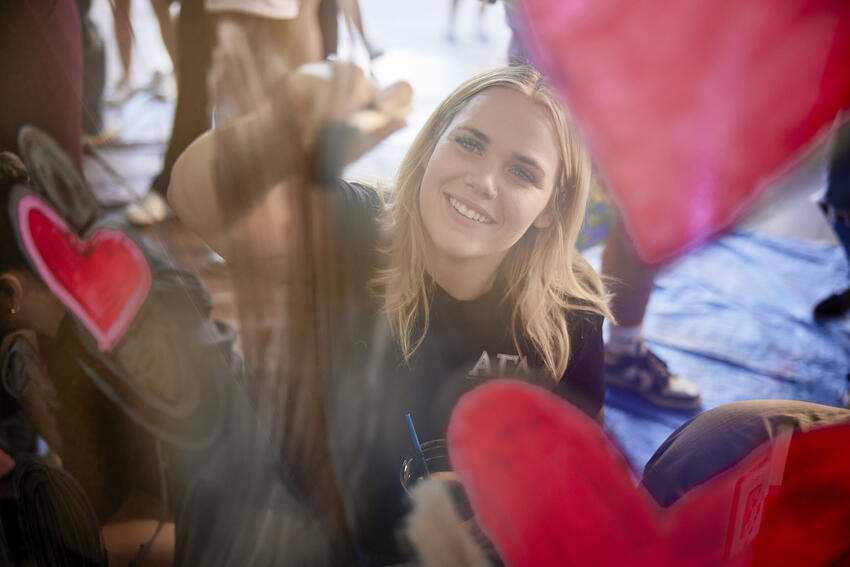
(808, 523)
(102, 279)
(690, 109)
(549, 489)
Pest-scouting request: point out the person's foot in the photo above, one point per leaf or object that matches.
(122, 92)
(152, 209)
(104, 137)
(374, 51)
(833, 307)
(643, 373)
(163, 86)
(216, 265)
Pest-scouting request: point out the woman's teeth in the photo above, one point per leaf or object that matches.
(467, 212)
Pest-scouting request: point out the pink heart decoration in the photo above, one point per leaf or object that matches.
(691, 108)
(549, 489)
(103, 280)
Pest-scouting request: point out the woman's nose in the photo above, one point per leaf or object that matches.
(483, 182)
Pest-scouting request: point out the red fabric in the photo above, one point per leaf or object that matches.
(549, 489)
(41, 65)
(690, 107)
(808, 523)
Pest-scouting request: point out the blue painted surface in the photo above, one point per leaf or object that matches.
(735, 318)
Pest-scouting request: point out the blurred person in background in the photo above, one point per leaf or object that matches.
(124, 37)
(480, 33)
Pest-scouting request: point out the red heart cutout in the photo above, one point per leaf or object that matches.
(549, 489)
(103, 280)
(690, 107)
(808, 523)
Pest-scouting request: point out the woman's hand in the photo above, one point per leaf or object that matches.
(326, 94)
(442, 530)
(313, 94)
(232, 185)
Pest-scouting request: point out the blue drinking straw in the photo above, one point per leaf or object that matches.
(416, 446)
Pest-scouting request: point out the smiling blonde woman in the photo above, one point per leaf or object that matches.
(545, 275)
(465, 271)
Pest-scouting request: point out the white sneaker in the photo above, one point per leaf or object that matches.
(107, 135)
(216, 265)
(163, 86)
(122, 92)
(151, 209)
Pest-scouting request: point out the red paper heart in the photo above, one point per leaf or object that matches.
(549, 489)
(103, 280)
(808, 523)
(690, 107)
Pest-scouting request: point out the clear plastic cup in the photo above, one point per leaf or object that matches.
(436, 458)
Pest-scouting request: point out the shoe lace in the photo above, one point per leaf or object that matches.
(657, 366)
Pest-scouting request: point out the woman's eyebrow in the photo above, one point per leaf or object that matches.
(477, 133)
(531, 162)
(528, 161)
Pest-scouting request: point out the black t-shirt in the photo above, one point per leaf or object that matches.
(467, 342)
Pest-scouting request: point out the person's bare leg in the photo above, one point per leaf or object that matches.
(450, 31)
(353, 7)
(353, 11)
(630, 281)
(306, 43)
(629, 363)
(123, 540)
(123, 36)
(482, 34)
(167, 28)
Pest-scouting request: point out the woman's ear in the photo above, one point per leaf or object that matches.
(555, 206)
(545, 219)
(11, 291)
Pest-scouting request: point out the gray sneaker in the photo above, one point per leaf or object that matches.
(643, 373)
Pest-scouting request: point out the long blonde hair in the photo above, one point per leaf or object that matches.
(546, 277)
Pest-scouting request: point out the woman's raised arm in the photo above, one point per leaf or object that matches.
(227, 184)
(231, 186)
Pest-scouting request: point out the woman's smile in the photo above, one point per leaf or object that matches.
(490, 178)
(468, 211)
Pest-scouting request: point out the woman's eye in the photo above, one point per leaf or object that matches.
(523, 174)
(470, 144)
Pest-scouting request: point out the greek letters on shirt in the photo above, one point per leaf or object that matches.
(504, 365)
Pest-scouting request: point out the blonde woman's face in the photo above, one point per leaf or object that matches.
(490, 177)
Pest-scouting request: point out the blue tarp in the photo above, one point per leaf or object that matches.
(735, 317)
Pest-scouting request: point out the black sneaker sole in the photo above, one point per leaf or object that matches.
(655, 399)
